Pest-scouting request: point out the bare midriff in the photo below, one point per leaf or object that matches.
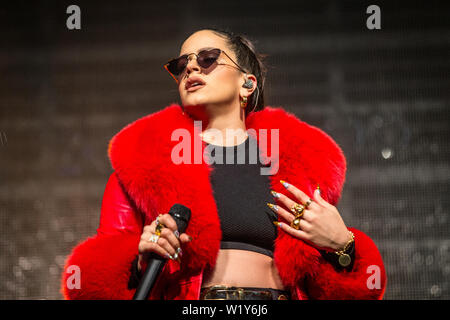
(241, 268)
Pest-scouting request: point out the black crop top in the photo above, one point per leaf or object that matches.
(241, 194)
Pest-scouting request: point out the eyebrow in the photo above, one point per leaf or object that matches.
(201, 49)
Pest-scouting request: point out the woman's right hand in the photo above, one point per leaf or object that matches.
(167, 244)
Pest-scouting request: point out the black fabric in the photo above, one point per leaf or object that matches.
(135, 275)
(241, 193)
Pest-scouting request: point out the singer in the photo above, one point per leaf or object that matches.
(250, 236)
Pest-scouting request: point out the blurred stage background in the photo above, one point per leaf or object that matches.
(383, 95)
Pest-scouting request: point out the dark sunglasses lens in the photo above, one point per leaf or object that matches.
(176, 66)
(208, 57)
(205, 59)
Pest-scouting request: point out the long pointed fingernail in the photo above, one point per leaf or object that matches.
(284, 183)
(318, 188)
(169, 256)
(275, 194)
(272, 206)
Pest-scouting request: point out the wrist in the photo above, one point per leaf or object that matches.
(344, 242)
(338, 260)
(345, 254)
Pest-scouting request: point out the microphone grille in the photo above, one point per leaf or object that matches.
(181, 214)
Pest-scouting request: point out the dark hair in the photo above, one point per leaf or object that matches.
(249, 60)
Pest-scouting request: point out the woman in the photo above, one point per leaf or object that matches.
(251, 235)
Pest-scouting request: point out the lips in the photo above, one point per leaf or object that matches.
(195, 88)
(194, 83)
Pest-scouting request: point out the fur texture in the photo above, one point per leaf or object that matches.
(141, 157)
(326, 283)
(111, 257)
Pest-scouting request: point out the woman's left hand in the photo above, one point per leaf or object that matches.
(321, 224)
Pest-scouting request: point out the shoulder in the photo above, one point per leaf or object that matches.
(295, 132)
(306, 149)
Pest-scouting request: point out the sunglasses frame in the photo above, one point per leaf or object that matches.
(166, 66)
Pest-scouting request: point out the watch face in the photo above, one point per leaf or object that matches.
(344, 260)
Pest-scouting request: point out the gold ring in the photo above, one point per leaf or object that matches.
(308, 203)
(297, 210)
(158, 228)
(296, 223)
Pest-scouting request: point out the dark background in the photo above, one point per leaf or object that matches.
(383, 95)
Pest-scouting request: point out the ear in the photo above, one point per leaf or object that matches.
(244, 91)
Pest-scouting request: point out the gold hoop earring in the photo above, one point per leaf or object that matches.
(244, 102)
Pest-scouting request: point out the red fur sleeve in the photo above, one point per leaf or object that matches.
(366, 280)
(103, 265)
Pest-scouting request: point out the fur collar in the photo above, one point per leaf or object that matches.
(141, 156)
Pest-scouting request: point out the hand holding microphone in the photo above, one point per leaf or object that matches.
(167, 245)
(161, 240)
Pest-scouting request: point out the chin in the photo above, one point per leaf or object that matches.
(194, 101)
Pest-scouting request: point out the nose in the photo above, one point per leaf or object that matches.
(192, 63)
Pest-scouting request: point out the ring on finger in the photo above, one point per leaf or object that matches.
(158, 228)
(308, 203)
(153, 238)
(296, 223)
(297, 209)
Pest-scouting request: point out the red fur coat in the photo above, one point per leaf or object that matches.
(145, 182)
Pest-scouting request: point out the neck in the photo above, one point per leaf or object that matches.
(223, 126)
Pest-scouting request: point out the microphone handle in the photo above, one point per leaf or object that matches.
(181, 214)
(154, 268)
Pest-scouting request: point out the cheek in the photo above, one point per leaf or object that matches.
(223, 84)
(225, 77)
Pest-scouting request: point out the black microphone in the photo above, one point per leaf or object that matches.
(181, 215)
